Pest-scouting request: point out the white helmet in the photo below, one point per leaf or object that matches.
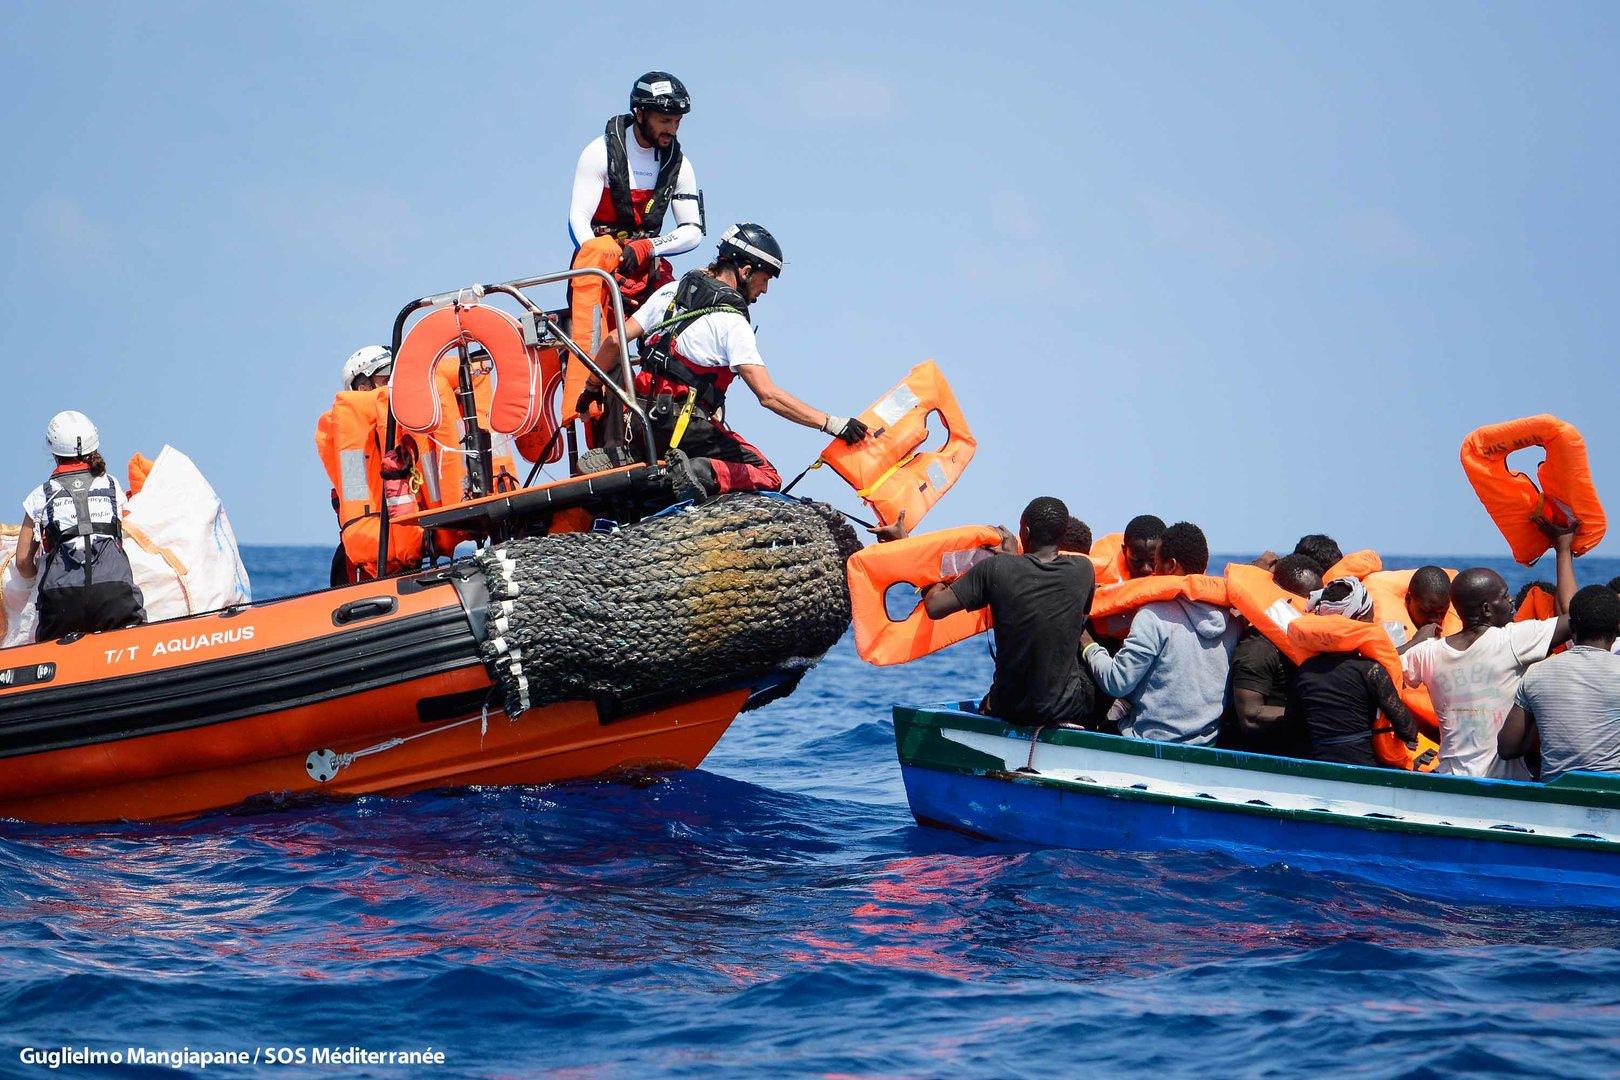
(371, 360)
(71, 434)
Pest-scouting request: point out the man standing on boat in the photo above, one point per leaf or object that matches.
(627, 181)
(697, 341)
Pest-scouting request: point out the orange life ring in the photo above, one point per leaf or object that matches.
(922, 560)
(1512, 498)
(1115, 605)
(887, 469)
(1316, 634)
(515, 407)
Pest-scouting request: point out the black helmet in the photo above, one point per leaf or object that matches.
(751, 245)
(660, 92)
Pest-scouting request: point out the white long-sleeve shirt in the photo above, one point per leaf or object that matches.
(591, 186)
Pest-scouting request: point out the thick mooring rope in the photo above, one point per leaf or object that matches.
(699, 597)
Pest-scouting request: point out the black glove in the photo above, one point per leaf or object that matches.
(587, 397)
(848, 428)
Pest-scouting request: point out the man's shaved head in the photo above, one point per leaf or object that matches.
(1428, 595)
(1481, 598)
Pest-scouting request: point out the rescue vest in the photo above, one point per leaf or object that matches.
(627, 212)
(1108, 559)
(1388, 591)
(1116, 604)
(697, 295)
(922, 561)
(1562, 489)
(444, 460)
(1268, 607)
(1317, 634)
(349, 439)
(74, 489)
(887, 469)
(1357, 564)
(140, 467)
(1538, 604)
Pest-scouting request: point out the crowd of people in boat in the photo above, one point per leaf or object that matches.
(1514, 695)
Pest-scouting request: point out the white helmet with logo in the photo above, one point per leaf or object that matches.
(71, 434)
(371, 360)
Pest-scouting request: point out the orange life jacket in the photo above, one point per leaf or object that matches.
(349, 438)
(922, 560)
(1357, 564)
(887, 469)
(1512, 498)
(1316, 634)
(1108, 558)
(1268, 607)
(1388, 591)
(590, 314)
(1115, 605)
(1538, 604)
(445, 456)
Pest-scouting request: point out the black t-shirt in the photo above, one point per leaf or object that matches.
(1260, 666)
(1040, 609)
(1339, 706)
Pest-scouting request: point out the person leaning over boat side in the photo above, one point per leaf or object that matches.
(1039, 602)
(628, 177)
(1473, 674)
(76, 517)
(1569, 705)
(697, 339)
(1172, 668)
(1340, 694)
(1262, 716)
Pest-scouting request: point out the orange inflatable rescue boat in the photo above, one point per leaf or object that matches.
(1562, 491)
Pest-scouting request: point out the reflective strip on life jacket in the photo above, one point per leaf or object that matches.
(1357, 564)
(1512, 498)
(886, 469)
(513, 409)
(1115, 605)
(1317, 634)
(922, 561)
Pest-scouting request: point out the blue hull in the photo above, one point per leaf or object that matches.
(1447, 868)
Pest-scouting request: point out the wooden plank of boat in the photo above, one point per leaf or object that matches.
(1437, 835)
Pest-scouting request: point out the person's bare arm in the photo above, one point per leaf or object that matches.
(1519, 734)
(939, 601)
(778, 400)
(607, 357)
(1563, 541)
(27, 549)
(1424, 633)
(1254, 715)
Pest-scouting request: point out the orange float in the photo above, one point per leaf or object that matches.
(1562, 490)
(888, 469)
(920, 561)
(1115, 605)
(1357, 564)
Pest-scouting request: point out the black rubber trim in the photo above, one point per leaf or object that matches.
(531, 501)
(371, 607)
(198, 695)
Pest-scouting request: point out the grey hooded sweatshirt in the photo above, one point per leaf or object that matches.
(1172, 670)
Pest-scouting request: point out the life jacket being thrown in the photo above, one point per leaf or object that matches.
(888, 469)
(921, 561)
(1313, 635)
(1562, 489)
(1116, 604)
(349, 438)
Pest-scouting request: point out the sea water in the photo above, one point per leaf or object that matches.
(777, 911)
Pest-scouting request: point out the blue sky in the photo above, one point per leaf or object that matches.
(1256, 266)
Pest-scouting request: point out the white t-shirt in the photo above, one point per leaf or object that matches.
(721, 339)
(66, 512)
(1473, 692)
(590, 182)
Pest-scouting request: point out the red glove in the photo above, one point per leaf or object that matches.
(636, 259)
